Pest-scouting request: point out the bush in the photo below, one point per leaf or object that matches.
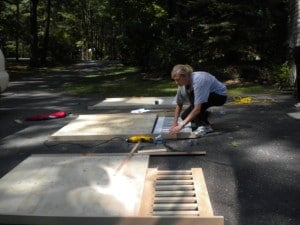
(281, 75)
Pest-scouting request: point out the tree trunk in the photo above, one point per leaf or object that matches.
(33, 34)
(297, 61)
(17, 30)
(46, 32)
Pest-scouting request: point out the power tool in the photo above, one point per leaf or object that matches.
(139, 138)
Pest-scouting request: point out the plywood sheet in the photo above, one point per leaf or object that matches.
(105, 126)
(163, 125)
(295, 115)
(149, 220)
(135, 102)
(176, 192)
(73, 186)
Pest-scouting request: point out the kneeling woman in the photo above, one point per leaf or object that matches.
(202, 90)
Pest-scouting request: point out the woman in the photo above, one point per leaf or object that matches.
(202, 90)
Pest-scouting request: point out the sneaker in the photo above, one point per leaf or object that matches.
(202, 130)
(208, 129)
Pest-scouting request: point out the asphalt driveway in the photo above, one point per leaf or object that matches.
(252, 166)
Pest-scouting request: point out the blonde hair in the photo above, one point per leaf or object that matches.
(181, 70)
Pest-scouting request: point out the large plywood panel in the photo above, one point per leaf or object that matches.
(73, 186)
(163, 125)
(135, 102)
(295, 115)
(149, 220)
(105, 126)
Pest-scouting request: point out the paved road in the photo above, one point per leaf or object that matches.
(252, 164)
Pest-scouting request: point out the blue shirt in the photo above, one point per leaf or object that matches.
(202, 83)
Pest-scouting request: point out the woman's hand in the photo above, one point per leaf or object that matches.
(175, 129)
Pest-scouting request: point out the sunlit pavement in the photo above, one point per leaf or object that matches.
(251, 167)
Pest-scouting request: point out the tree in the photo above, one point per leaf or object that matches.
(46, 31)
(33, 34)
(140, 26)
(212, 35)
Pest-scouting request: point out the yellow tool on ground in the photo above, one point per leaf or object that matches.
(139, 138)
(243, 100)
(249, 100)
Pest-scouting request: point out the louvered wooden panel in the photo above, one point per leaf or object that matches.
(176, 193)
(163, 125)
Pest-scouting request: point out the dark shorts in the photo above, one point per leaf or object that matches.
(202, 119)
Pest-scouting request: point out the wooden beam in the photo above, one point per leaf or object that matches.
(98, 127)
(204, 205)
(166, 153)
(165, 199)
(148, 193)
(145, 220)
(176, 199)
(126, 160)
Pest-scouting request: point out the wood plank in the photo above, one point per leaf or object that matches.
(165, 122)
(174, 193)
(73, 186)
(174, 182)
(174, 177)
(177, 213)
(295, 115)
(151, 151)
(175, 206)
(97, 127)
(150, 220)
(174, 172)
(105, 127)
(148, 193)
(166, 153)
(174, 187)
(204, 205)
(127, 159)
(175, 199)
(107, 154)
(135, 102)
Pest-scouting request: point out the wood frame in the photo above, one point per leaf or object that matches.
(69, 133)
(135, 102)
(145, 215)
(205, 217)
(96, 127)
(144, 220)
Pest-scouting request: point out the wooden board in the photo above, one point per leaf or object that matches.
(77, 189)
(105, 127)
(73, 186)
(295, 115)
(165, 122)
(97, 127)
(178, 193)
(186, 187)
(46, 220)
(135, 102)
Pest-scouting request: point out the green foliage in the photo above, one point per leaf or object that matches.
(281, 75)
(155, 35)
(13, 26)
(244, 90)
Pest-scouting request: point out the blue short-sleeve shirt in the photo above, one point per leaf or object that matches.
(202, 83)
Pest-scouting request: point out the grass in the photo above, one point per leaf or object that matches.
(120, 81)
(126, 81)
(250, 89)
